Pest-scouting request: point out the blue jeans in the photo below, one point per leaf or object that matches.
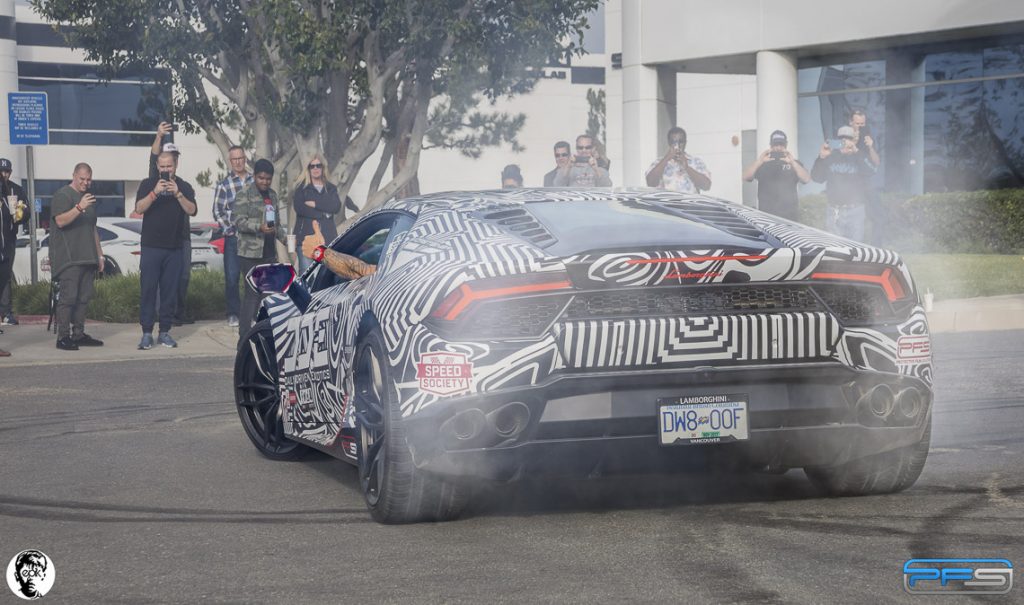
(160, 270)
(186, 275)
(846, 221)
(231, 274)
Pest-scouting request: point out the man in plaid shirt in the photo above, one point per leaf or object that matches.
(223, 208)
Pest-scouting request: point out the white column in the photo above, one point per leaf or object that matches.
(776, 97)
(8, 83)
(648, 100)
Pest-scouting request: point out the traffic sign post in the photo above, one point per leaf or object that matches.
(29, 125)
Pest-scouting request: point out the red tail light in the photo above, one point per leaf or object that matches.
(468, 293)
(880, 275)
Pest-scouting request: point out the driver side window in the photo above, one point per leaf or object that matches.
(366, 241)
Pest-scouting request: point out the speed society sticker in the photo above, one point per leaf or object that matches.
(444, 373)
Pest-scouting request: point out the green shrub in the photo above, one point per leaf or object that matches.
(117, 298)
(812, 210)
(971, 222)
(959, 222)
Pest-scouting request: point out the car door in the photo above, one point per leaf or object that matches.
(315, 368)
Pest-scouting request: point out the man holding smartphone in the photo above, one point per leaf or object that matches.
(846, 174)
(584, 171)
(678, 170)
(75, 257)
(165, 203)
(777, 173)
(164, 143)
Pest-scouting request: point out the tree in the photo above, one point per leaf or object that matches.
(338, 77)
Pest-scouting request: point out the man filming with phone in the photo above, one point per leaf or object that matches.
(75, 257)
(678, 170)
(846, 173)
(164, 143)
(777, 173)
(165, 203)
(584, 171)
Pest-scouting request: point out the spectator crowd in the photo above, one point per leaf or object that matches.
(254, 219)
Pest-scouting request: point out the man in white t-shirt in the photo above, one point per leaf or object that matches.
(677, 170)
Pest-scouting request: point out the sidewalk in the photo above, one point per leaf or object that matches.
(1004, 312)
(30, 343)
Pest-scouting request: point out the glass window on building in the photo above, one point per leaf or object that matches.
(974, 131)
(832, 94)
(109, 197)
(87, 109)
(947, 118)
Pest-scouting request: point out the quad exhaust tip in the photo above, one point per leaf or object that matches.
(467, 425)
(909, 403)
(510, 419)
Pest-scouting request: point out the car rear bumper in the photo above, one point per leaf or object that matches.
(582, 424)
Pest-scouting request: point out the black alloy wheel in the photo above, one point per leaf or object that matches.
(369, 413)
(258, 398)
(394, 489)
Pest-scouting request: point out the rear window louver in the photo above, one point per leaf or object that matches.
(520, 223)
(717, 216)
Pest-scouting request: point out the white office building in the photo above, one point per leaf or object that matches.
(942, 83)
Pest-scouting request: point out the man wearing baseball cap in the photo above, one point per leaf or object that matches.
(13, 212)
(163, 144)
(846, 173)
(777, 173)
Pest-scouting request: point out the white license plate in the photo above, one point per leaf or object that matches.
(694, 419)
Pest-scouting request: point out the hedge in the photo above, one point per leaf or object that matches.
(117, 298)
(959, 222)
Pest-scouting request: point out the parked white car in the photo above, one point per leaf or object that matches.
(120, 238)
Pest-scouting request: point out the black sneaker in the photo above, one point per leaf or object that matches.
(88, 341)
(9, 320)
(66, 344)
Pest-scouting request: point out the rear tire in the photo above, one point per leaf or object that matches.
(395, 491)
(884, 473)
(258, 397)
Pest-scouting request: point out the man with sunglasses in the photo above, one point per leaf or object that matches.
(846, 172)
(223, 212)
(584, 170)
(678, 170)
(563, 160)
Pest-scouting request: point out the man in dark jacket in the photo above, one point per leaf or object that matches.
(846, 173)
(13, 212)
(317, 199)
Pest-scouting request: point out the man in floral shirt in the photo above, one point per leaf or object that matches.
(223, 212)
(677, 170)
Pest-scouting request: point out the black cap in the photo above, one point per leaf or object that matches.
(264, 166)
(778, 138)
(5, 165)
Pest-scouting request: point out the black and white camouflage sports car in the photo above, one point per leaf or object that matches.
(516, 333)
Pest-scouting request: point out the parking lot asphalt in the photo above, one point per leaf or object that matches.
(136, 479)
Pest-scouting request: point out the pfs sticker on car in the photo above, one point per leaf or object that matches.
(444, 373)
(910, 349)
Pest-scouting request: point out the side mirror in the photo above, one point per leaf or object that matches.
(279, 278)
